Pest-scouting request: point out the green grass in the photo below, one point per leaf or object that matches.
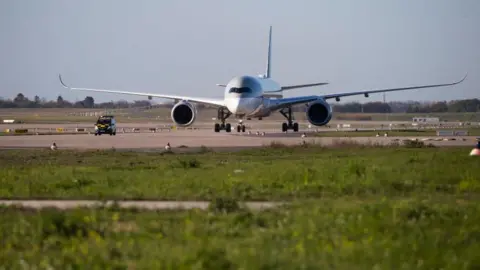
(449, 117)
(352, 207)
(392, 133)
(271, 173)
(474, 117)
(342, 233)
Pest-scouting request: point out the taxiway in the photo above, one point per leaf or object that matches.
(195, 139)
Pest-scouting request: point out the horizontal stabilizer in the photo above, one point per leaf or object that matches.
(288, 87)
(272, 95)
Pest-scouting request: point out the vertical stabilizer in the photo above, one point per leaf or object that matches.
(268, 71)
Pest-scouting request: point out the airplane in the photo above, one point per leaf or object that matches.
(258, 97)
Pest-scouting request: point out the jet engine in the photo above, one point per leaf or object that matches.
(319, 113)
(183, 114)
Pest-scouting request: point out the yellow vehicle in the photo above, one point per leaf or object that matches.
(106, 124)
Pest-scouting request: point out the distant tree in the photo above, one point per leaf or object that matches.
(106, 105)
(456, 106)
(20, 98)
(439, 107)
(88, 102)
(351, 107)
(78, 104)
(398, 107)
(60, 100)
(376, 107)
(141, 103)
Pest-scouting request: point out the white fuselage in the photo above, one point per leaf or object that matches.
(244, 96)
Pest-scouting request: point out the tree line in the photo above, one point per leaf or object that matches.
(454, 106)
(21, 101)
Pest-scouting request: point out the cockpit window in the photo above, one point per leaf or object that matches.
(240, 90)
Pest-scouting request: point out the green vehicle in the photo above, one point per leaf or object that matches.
(106, 124)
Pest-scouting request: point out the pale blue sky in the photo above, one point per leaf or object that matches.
(186, 47)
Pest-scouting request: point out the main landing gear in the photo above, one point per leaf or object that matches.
(223, 114)
(290, 124)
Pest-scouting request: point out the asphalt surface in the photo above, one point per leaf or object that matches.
(255, 124)
(184, 139)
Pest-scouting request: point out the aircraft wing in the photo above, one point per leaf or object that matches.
(286, 102)
(367, 92)
(209, 101)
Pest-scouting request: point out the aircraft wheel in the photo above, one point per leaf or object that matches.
(228, 127)
(239, 128)
(284, 127)
(243, 128)
(217, 127)
(295, 127)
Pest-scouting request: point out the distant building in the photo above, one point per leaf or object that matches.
(426, 120)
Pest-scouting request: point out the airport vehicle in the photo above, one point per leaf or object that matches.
(106, 124)
(247, 97)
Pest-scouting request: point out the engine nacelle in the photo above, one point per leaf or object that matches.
(319, 113)
(184, 114)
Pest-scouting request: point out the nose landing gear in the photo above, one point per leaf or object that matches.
(241, 127)
(290, 124)
(223, 114)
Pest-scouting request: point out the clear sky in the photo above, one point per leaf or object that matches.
(186, 47)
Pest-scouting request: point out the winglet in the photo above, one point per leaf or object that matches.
(461, 80)
(464, 77)
(61, 81)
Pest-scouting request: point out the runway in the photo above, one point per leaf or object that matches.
(149, 205)
(190, 139)
(254, 124)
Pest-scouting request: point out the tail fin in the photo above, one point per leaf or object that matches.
(268, 71)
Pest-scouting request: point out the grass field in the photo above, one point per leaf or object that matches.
(392, 133)
(346, 233)
(268, 174)
(351, 208)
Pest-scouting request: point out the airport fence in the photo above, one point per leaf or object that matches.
(84, 130)
(444, 130)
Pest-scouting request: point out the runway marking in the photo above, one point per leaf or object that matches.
(151, 205)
